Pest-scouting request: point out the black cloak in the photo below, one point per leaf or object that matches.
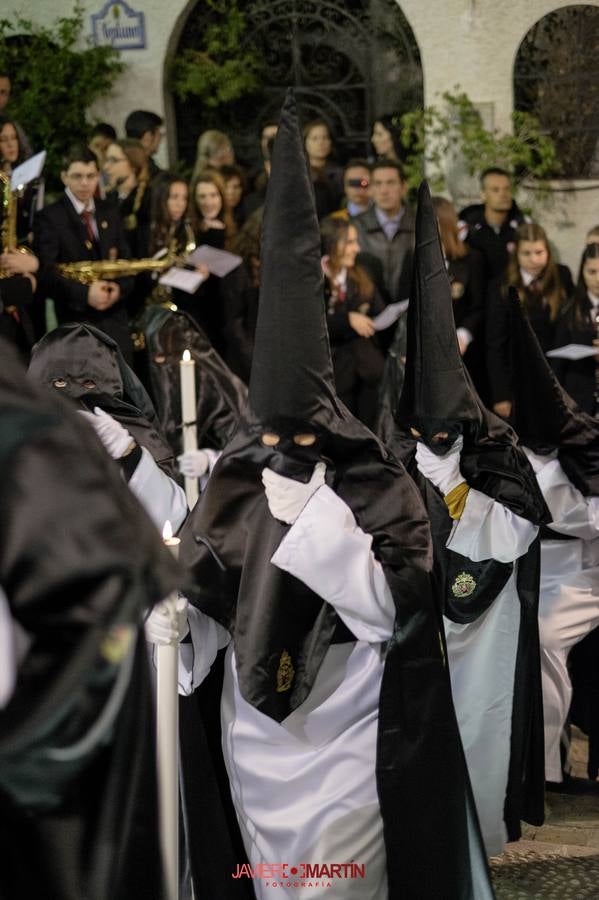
(221, 395)
(544, 415)
(438, 395)
(91, 370)
(231, 536)
(78, 555)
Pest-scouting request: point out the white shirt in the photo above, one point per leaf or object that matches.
(80, 207)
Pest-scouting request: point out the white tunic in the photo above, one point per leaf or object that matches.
(569, 605)
(482, 659)
(304, 790)
(161, 497)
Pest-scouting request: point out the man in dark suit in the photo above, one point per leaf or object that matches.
(78, 227)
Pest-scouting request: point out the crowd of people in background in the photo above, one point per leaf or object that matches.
(112, 344)
(118, 203)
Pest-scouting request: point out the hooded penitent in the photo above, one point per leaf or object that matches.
(438, 396)
(78, 555)
(81, 362)
(545, 417)
(221, 395)
(231, 537)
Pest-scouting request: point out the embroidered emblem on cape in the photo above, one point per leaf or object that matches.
(464, 585)
(285, 673)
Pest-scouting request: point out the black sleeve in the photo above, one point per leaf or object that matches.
(498, 344)
(47, 247)
(565, 277)
(475, 311)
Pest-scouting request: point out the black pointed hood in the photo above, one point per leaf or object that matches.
(438, 394)
(435, 386)
(291, 363)
(545, 417)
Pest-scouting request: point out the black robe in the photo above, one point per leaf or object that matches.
(494, 465)
(78, 556)
(228, 542)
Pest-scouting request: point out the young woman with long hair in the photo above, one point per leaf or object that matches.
(579, 324)
(211, 219)
(351, 303)
(543, 287)
(127, 174)
(327, 176)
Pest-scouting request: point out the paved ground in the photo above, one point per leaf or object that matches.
(560, 860)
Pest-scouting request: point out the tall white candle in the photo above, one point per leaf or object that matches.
(187, 369)
(167, 712)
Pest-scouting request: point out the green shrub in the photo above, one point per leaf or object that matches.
(54, 81)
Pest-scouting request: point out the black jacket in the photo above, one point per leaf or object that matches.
(577, 376)
(495, 246)
(498, 332)
(60, 237)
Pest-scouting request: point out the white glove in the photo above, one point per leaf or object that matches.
(113, 435)
(194, 463)
(537, 461)
(442, 471)
(163, 628)
(286, 496)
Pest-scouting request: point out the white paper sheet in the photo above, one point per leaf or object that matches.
(574, 351)
(183, 279)
(219, 262)
(389, 315)
(27, 171)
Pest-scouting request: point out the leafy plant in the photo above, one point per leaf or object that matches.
(433, 134)
(225, 68)
(54, 80)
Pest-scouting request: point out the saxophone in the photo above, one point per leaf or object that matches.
(87, 271)
(162, 295)
(8, 229)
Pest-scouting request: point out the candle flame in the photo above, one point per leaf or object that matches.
(167, 531)
(186, 356)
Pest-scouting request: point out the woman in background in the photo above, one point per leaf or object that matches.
(127, 174)
(543, 287)
(327, 176)
(214, 150)
(351, 302)
(579, 324)
(385, 139)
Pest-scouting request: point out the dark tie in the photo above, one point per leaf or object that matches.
(87, 218)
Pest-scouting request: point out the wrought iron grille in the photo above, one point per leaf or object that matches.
(556, 77)
(349, 62)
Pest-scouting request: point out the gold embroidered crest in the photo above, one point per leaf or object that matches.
(285, 673)
(464, 585)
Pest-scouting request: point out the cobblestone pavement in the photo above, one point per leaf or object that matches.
(560, 860)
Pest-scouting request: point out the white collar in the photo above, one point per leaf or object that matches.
(79, 206)
(594, 299)
(527, 278)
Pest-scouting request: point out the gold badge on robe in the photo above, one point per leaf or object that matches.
(103, 224)
(464, 585)
(285, 673)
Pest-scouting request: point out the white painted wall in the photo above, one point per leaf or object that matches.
(470, 43)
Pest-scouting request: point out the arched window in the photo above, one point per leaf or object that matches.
(349, 60)
(556, 78)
